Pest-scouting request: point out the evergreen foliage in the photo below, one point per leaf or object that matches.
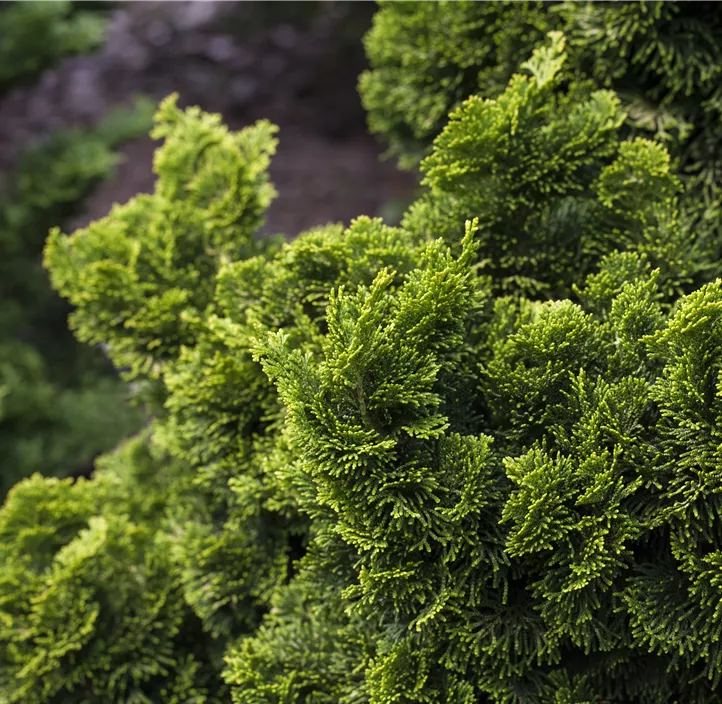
(662, 58)
(61, 403)
(427, 58)
(418, 464)
(92, 605)
(35, 35)
(555, 188)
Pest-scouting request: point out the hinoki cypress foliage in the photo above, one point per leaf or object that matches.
(554, 187)
(471, 459)
(663, 59)
(92, 606)
(61, 403)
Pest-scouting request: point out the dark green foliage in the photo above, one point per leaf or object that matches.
(377, 472)
(61, 401)
(53, 427)
(573, 519)
(428, 57)
(663, 59)
(555, 188)
(35, 35)
(307, 650)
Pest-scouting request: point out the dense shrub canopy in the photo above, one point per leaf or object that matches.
(474, 458)
(555, 187)
(662, 58)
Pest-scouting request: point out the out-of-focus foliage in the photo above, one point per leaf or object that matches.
(61, 402)
(36, 34)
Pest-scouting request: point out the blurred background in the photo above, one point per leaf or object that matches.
(295, 63)
(79, 83)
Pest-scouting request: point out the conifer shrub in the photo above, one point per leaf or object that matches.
(380, 468)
